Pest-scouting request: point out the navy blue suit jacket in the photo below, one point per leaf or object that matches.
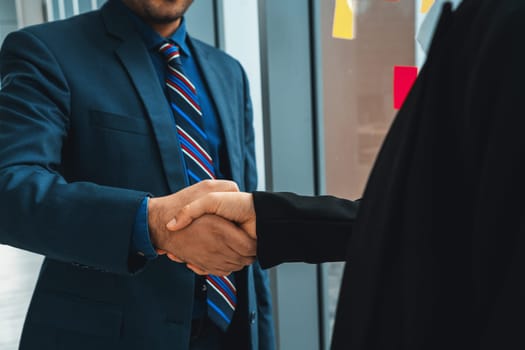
(85, 134)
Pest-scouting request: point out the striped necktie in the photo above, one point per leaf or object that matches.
(221, 292)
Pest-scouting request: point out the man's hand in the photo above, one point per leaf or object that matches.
(214, 244)
(236, 207)
(233, 206)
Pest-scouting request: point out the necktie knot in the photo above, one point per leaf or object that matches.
(171, 53)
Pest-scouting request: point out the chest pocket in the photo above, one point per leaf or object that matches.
(115, 122)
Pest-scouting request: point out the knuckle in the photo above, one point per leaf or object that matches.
(227, 186)
(184, 210)
(207, 184)
(247, 248)
(213, 196)
(234, 187)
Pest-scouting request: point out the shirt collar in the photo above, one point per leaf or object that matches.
(151, 38)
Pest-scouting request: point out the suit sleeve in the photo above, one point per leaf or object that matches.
(81, 222)
(293, 228)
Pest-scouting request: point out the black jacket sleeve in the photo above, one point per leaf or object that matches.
(293, 228)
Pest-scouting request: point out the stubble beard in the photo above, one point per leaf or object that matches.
(155, 15)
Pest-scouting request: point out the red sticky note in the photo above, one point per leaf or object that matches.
(404, 78)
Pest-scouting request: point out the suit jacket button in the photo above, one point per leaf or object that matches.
(253, 315)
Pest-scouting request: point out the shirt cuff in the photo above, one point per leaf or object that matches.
(140, 240)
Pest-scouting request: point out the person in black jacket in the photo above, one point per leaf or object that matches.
(436, 256)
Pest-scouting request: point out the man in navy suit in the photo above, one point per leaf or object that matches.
(92, 169)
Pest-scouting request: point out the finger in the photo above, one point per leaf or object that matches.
(239, 263)
(194, 210)
(246, 260)
(161, 251)
(234, 261)
(221, 267)
(244, 247)
(208, 186)
(230, 263)
(175, 258)
(240, 242)
(197, 270)
(221, 272)
(172, 258)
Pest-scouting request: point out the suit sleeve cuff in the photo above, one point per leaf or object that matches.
(140, 241)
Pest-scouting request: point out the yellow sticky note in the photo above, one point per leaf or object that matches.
(343, 20)
(426, 5)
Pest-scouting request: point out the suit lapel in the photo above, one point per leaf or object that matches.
(134, 57)
(220, 91)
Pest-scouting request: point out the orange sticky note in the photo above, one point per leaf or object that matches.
(426, 5)
(404, 78)
(343, 20)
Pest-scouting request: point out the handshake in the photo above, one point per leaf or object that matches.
(209, 226)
